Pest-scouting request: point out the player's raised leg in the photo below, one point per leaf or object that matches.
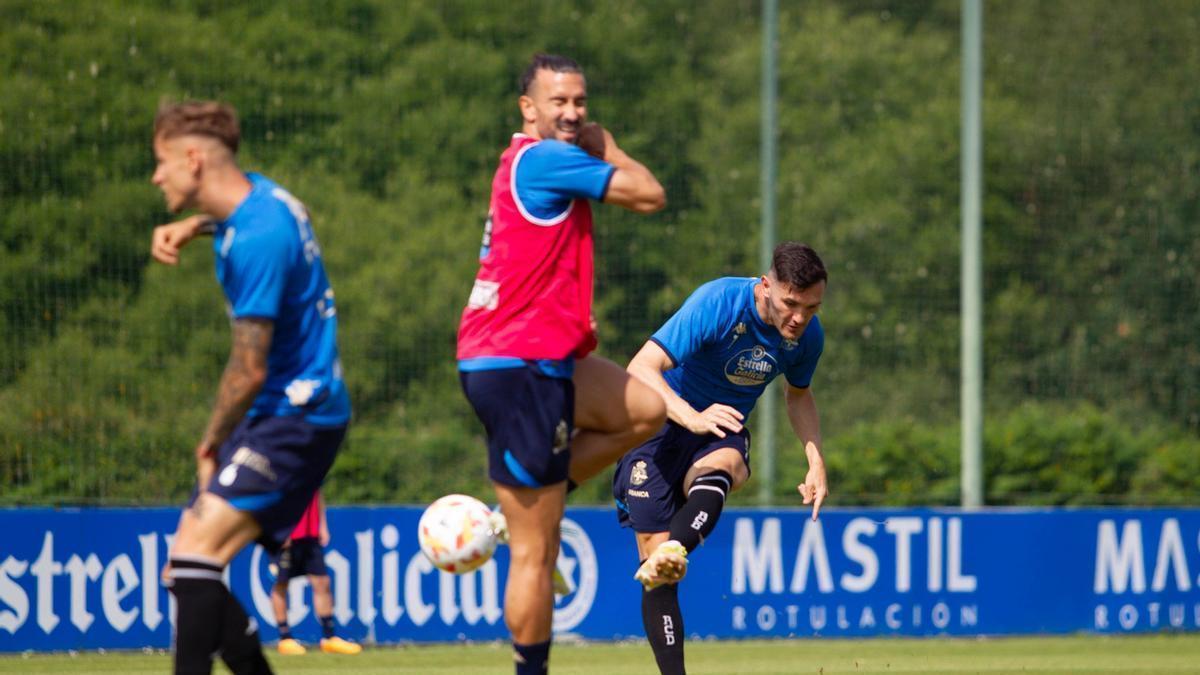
(533, 515)
(614, 412)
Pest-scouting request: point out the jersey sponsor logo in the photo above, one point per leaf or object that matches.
(644, 494)
(750, 367)
(484, 295)
(638, 475)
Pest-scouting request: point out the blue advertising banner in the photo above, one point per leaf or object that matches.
(89, 578)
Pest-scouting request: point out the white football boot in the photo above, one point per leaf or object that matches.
(666, 565)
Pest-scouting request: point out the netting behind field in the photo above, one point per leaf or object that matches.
(386, 119)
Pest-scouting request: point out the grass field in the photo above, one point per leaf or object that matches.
(1078, 654)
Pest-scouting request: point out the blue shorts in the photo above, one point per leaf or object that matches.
(528, 415)
(648, 483)
(301, 557)
(270, 467)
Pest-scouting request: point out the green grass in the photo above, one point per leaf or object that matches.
(1077, 654)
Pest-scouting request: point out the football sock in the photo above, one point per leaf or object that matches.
(664, 627)
(532, 659)
(241, 649)
(326, 626)
(698, 516)
(199, 597)
(211, 621)
(285, 631)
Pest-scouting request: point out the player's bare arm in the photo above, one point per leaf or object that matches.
(168, 239)
(240, 383)
(633, 186)
(802, 413)
(649, 364)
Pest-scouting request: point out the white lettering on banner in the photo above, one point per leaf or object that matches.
(13, 595)
(903, 527)
(1117, 563)
(148, 543)
(366, 576)
(845, 618)
(447, 603)
(474, 607)
(860, 553)
(758, 560)
(339, 570)
(80, 573)
(812, 550)
(956, 581)
(260, 595)
(389, 536)
(120, 579)
(418, 610)
(44, 569)
(1170, 551)
(934, 560)
(756, 564)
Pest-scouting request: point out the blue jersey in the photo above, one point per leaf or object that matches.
(725, 353)
(269, 265)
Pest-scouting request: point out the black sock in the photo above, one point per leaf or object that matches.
(326, 626)
(532, 659)
(663, 621)
(241, 649)
(199, 596)
(698, 516)
(285, 632)
(210, 621)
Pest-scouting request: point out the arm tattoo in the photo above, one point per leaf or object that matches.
(243, 377)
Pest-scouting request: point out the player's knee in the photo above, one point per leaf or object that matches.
(648, 412)
(540, 554)
(319, 583)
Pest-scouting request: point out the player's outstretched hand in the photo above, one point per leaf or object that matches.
(595, 140)
(814, 489)
(168, 239)
(715, 420)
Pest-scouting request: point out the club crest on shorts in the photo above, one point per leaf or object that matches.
(638, 475)
(561, 438)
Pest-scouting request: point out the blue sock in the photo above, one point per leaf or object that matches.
(532, 659)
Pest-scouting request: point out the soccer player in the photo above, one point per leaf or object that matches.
(281, 408)
(526, 336)
(711, 361)
(303, 554)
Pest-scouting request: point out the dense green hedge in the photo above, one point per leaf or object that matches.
(386, 119)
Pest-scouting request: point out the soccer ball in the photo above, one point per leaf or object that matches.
(457, 533)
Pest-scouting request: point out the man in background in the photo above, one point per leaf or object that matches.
(304, 555)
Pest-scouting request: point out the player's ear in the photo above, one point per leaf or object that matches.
(528, 109)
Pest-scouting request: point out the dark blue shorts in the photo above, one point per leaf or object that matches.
(301, 557)
(648, 483)
(270, 467)
(529, 416)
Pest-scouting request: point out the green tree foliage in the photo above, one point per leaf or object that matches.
(387, 119)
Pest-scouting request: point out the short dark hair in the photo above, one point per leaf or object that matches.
(554, 62)
(201, 118)
(797, 265)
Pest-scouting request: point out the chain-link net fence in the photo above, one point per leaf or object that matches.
(387, 119)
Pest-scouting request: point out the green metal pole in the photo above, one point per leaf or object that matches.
(768, 405)
(972, 255)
